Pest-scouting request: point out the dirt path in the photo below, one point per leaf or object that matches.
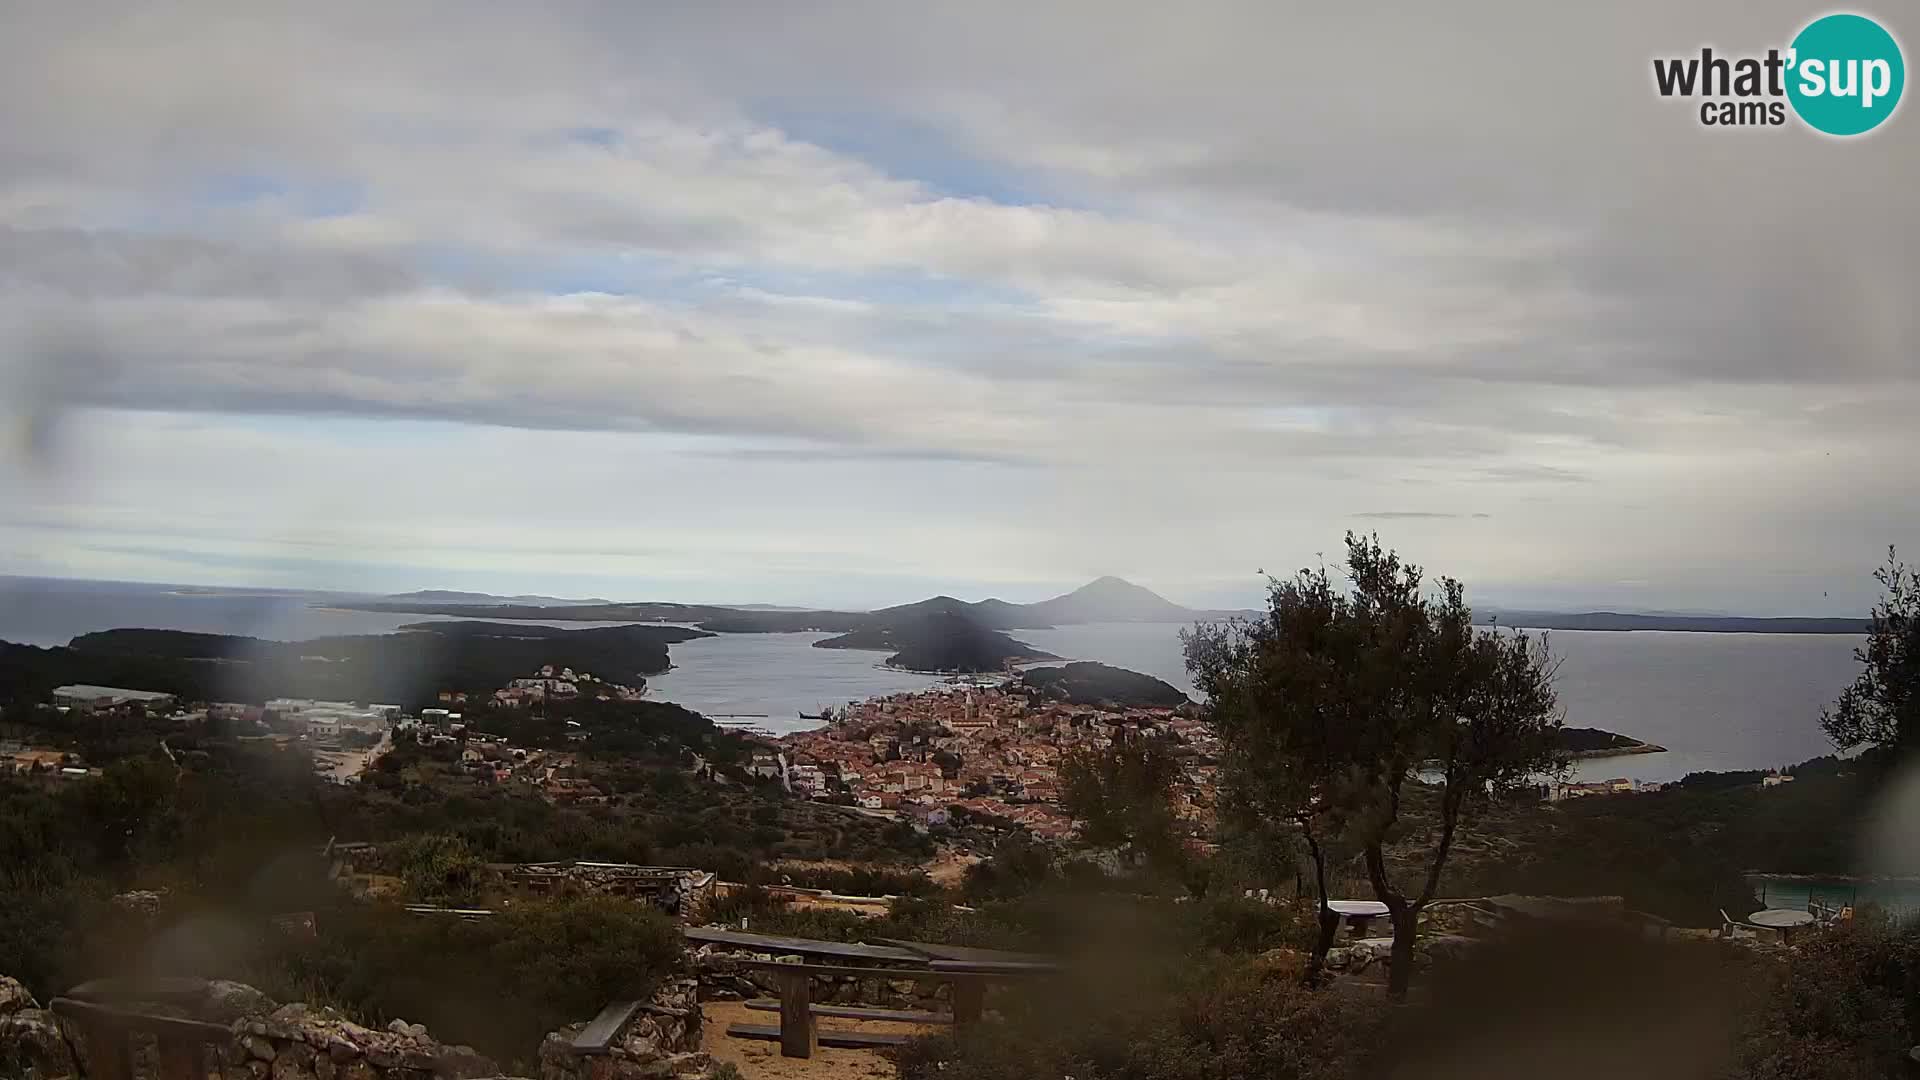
(345, 766)
(949, 868)
(759, 1060)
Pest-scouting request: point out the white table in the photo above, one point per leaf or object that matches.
(1785, 920)
(1358, 913)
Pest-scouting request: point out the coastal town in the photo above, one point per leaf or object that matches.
(992, 752)
(984, 752)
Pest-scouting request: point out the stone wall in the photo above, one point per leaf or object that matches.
(269, 1042)
(662, 1040)
(32, 1046)
(305, 1042)
(302, 1042)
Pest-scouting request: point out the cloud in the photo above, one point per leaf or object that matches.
(1195, 269)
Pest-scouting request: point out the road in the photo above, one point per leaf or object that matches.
(345, 766)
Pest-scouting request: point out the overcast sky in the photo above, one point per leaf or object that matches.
(849, 304)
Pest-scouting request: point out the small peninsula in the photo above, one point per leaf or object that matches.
(1086, 683)
(942, 643)
(1586, 742)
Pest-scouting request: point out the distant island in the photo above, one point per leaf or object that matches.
(1103, 600)
(1586, 742)
(409, 668)
(1696, 624)
(941, 634)
(1107, 599)
(472, 599)
(943, 643)
(1086, 683)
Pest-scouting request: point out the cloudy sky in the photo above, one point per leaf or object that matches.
(847, 304)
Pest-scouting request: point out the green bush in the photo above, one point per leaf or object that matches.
(1218, 1022)
(1231, 924)
(499, 984)
(438, 869)
(1019, 865)
(1841, 1008)
(853, 881)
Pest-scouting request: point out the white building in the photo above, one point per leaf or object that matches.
(87, 698)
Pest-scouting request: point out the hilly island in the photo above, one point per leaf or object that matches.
(1103, 600)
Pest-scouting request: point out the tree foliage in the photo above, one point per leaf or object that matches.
(1882, 706)
(1336, 700)
(1221, 1020)
(498, 984)
(1286, 727)
(439, 869)
(1122, 795)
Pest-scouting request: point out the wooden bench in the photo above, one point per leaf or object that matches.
(597, 1038)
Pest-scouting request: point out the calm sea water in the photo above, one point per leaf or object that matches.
(1716, 701)
(768, 680)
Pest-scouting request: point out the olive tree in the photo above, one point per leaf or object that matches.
(1122, 795)
(1882, 706)
(1339, 702)
(1284, 727)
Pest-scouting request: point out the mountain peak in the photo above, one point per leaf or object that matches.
(1111, 599)
(1109, 584)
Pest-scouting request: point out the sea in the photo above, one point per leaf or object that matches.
(1715, 701)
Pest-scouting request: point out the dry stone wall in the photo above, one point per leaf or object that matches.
(662, 1041)
(304, 1042)
(32, 1046)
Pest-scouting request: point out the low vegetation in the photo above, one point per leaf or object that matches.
(498, 984)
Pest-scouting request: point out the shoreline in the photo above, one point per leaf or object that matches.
(1851, 879)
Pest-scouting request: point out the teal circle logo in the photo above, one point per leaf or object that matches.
(1845, 75)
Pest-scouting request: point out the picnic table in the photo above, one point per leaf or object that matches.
(1358, 913)
(966, 971)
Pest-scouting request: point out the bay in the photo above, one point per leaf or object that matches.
(768, 680)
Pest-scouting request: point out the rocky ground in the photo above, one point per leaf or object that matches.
(298, 1041)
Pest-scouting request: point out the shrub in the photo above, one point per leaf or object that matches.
(1836, 1010)
(1221, 1022)
(499, 984)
